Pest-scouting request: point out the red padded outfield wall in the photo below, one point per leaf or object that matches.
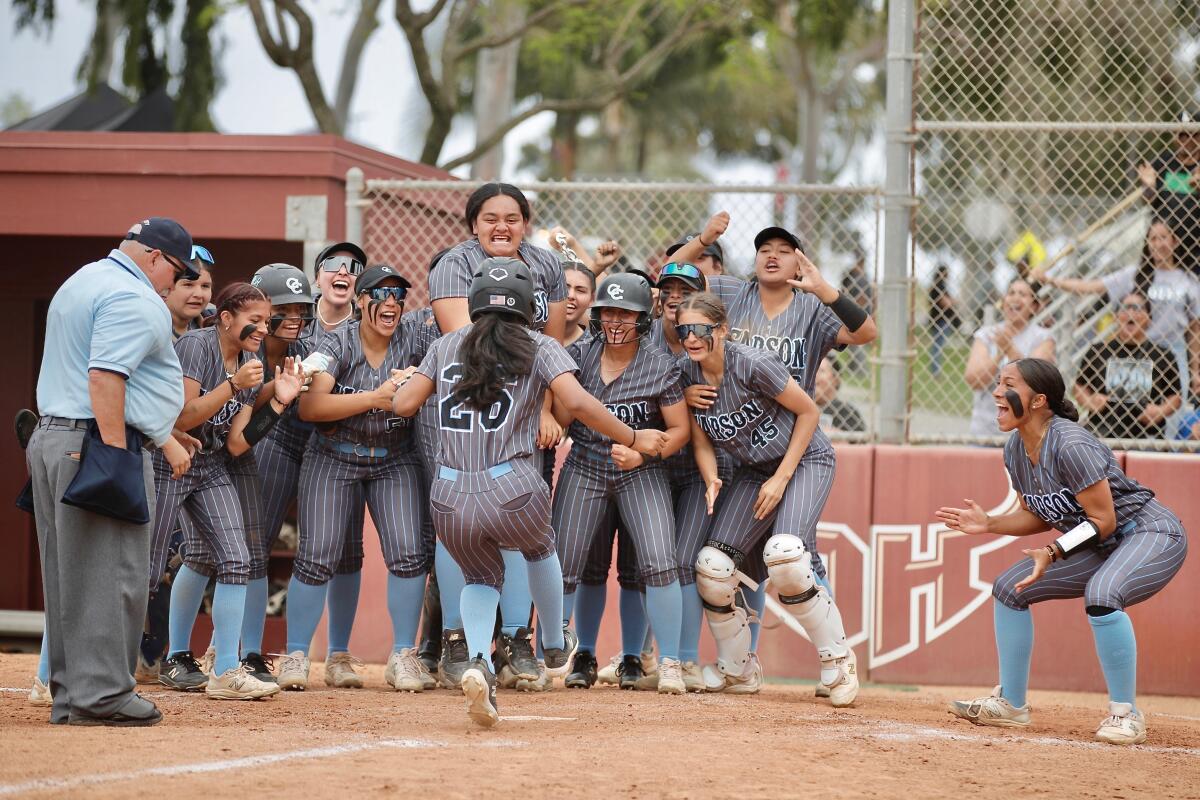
(916, 598)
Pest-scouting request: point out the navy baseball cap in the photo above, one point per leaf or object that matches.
(376, 275)
(713, 249)
(167, 235)
(775, 232)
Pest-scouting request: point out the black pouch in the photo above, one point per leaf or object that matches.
(110, 480)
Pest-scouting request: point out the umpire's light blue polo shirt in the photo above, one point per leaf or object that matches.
(108, 316)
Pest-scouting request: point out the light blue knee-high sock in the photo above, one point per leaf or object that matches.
(255, 616)
(689, 626)
(229, 608)
(545, 586)
(304, 606)
(664, 606)
(187, 593)
(515, 599)
(43, 673)
(405, 597)
(343, 606)
(478, 604)
(824, 581)
(589, 613)
(756, 601)
(450, 585)
(1117, 648)
(1014, 647)
(633, 621)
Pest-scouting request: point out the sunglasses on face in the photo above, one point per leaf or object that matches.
(381, 293)
(703, 330)
(335, 263)
(676, 270)
(201, 252)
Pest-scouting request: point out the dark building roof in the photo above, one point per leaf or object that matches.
(105, 109)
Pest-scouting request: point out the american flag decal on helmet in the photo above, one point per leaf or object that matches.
(498, 300)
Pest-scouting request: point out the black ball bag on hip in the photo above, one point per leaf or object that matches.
(110, 479)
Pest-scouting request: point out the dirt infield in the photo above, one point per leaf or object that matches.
(603, 742)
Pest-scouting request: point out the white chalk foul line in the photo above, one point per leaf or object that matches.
(62, 784)
(535, 718)
(901, 732)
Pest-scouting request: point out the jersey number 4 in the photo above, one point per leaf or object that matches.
(764, 433)
(455, 416)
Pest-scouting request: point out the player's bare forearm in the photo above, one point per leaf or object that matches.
(1098, 504)
(451, 313)
(107, 393)
(412, 395)
(324, 407)
(236, 443)
(866, 333)
(703, 453)
(796, 400)
(678, 427)
(1017, 523)
(583, 406)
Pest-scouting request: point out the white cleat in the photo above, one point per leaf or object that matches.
(239, 683)
(991, 710)
(843, 693)
(293, 671)
(750, 682)
(607, 675)
(339, 671)
(404, 671)
(693, 678)
(39, 695)
(670, 677)
(1123, 725)
(209, 659)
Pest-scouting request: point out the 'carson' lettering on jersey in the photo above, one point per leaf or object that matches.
(791, 351)
(723, 427)
(635, 415)
(1053, 507)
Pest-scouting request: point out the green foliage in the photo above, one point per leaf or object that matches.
(198, 83)
(14, 108)
(36, 14)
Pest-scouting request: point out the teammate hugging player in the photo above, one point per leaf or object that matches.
(490, 378)
(1119, 546)
(765, 421)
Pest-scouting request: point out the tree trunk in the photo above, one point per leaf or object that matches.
(564, 145)
(364, 26)
(495, 87)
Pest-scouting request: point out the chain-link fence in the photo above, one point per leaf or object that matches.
(1057, 162)
(405, 223)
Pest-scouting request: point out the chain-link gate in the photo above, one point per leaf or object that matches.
(1050, 137)
(404, 223)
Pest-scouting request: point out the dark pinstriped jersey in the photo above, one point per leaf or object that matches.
(801, 335)
(472, 440)
(291, 431)
(200, 357)
(1070, 460)
(745, 420)
(452, 276)
(352, 374)
(635, 397)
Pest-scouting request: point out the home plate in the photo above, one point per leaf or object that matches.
(534, 718)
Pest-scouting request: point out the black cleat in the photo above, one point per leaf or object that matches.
(260, 667)
(558, 662)
(584, 674)
(629, 672)
(455, 658)
(479, 687)
(517, 652)
(182, 672)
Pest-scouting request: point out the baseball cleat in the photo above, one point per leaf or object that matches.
(559, 660)
(479, 687)
(670, 677)
(39, 695)
(583, 675)
(991, 710)
(843, 693)
(145, 672)
(208, 660)
(693, 679)
(544, 683)
(607, 675)
(260, 667)
(629, 672)
(455, 659)
(182, 672)
(238, 683)
(517, 653)
(1123, 725)
(293, 671)
(750, 682)
(821, 691)
(404, 671)
(339, 671)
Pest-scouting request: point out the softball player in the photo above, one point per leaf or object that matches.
(488, 492)
(765, 422)
(222, 379)
(190, 296)
(791, 310)
(497, 216)
(1119, 546)
(640, 384)
(369, 455)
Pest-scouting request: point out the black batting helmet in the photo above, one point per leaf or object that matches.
(283, 284)
(504, 285)
(628, 290)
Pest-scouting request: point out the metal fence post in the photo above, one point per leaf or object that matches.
(355, 187)
(897, 217)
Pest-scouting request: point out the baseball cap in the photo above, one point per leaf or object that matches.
(167, 235)
(376, 275)
(775, 232)
(713, 249)
(689, 274)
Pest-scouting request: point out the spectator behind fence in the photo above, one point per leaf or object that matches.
(943, 317)
(856, 285)
(1128, 385)
(1189, 424)
(836, 414)
(997, 345)
(1173, 292)
(1169, 185)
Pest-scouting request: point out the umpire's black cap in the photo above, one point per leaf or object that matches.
(167, 235)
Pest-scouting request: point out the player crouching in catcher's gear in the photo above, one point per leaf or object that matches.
(490, 378)
(765, 422)
(1118, 546)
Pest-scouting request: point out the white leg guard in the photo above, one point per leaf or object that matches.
(790, 568)
(716, 581)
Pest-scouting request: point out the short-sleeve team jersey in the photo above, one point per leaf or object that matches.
(636, 397)
(745, 420)
(473, 440)
(452, 276)
(800, 335)
(1071, 460)
(290, 430)
(352, 374)
(200, 358)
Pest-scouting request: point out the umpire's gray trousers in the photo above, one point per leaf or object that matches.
(94, 578)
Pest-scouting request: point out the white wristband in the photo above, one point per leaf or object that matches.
(1079, 537)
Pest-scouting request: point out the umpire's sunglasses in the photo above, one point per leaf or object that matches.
(381, 293)
(202, 253)
(678, 270)
(703, 330)
(335, 263)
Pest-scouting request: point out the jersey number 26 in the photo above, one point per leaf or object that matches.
(455, 416)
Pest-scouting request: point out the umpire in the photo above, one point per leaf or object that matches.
(109, 384)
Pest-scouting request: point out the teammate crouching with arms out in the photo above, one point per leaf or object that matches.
(1119, 546)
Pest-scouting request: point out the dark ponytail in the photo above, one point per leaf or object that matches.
(1043, 377)
(1143, 279)
(497, 349)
